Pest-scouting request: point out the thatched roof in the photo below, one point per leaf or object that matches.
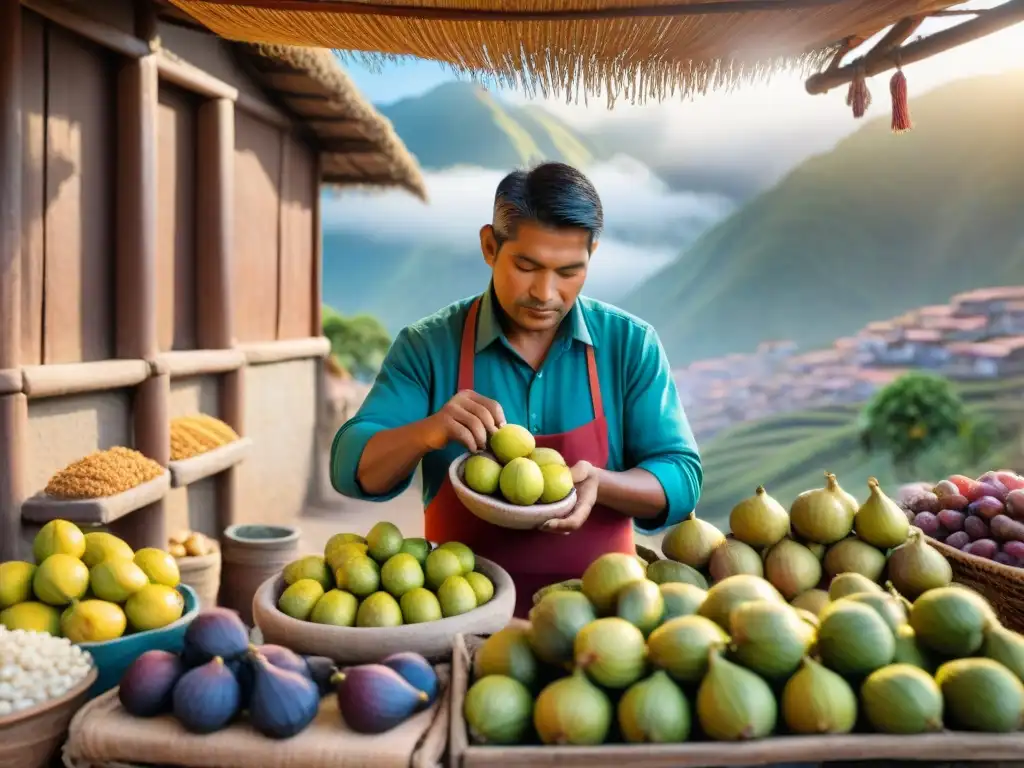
(358, 144)
(632, 49)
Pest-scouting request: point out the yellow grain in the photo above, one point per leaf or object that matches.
(198, 433)
(103, 473)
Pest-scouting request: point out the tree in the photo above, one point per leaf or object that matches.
(359, 343)
(916, 414)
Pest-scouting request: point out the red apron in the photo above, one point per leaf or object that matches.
(535, 559)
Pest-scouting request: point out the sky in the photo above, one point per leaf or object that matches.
(763, 130)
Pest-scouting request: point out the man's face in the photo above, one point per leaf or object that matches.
(539, 274)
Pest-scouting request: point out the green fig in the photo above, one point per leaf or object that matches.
(507, 652)
(902, 699)
(822, 515)
(1006, 647)
(852, 555)
(759, 521)
(813, 601)
(724, 596)
(554, 624)
(769, 638)
(654, 711)
(909, 651)
(642, 605)
(611, 651)
(691, 542)
(951, 621)
(498, 710)
(733, 557)
(733, 703)
(572, 711)
(888, 607)
(667, 571)
(607, 575)
(846, 584)
(681, 599)
(817, 700)
(916, 567)
(681, 646)
(880, 521)
(792, 568)
(853, 639)
(981, 695)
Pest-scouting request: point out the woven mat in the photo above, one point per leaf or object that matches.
(103, 735)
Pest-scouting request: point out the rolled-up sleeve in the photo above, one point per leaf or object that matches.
(399, 396)
(656, 433)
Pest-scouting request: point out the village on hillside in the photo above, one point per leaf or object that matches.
(978, 335)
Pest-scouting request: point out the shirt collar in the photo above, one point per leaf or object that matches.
(488, 329)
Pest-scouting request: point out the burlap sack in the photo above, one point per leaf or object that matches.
(103, 735)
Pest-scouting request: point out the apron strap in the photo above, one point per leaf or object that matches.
(467, 361)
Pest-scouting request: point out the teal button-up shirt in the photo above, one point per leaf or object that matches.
(646, 424)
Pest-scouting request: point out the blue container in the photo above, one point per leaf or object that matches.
(113, 657)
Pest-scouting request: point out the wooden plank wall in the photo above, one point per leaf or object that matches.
(274, 252)
(68, 138)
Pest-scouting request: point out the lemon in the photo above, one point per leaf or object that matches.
(32, 617)
(359, 575)
(309, 567)
(60, 579)
(482, 587)
(420, 605)
(159, 566)
(15, 582)
(379, 610)
(58, 537)
(154, 606)
(342, 551)
(300, 598)
(100, 546)
(400, 574)
(383, 541)
(336, 608)
(116, 580)
(93, 621)
(466, 557)
(442, 563)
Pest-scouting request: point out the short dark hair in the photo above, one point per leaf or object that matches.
(551, 194)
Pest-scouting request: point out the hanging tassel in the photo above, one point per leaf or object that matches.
(900, 109)
(858, 97)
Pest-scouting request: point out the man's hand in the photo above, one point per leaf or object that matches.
(467, 418)
(585, 478)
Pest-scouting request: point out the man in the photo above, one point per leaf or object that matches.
(586, 378)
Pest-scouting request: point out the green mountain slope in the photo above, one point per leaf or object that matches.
(879, 225)
(459, 123)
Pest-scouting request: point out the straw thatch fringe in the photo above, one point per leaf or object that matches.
(634, 60)
(379, 160)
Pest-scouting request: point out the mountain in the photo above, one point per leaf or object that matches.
(460, 123)
(880, 224)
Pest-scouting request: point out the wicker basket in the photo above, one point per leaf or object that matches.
(202, 573)
(32, 737)
(1001, 585)
(501, 513)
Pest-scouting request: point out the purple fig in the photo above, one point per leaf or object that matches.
(215, 632)
(944, 489)
(282, 658)
(958, 540)
(374, 698)
(283, 703)
(417, 672)
(986, 507)
(147, 686)
(1015, 549)
(1015, 504)
(207, 698)
(985, 548)
(925, 502)
(927, 522)
(321, 670)
(1006, 529)
(951, 520)
(976, 527)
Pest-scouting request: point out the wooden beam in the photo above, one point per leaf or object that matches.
(56, 380)
(14, 449)
(137, 86)
(198, 362)
(193, 79)
(993, 20)
(99, 33)
(436, 13)
(215, 203)
(265, 352)
(10, 185)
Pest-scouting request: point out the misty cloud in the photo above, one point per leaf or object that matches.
(647, 224)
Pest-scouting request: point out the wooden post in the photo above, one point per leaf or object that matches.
(215, 165)
(13, 407)
(215, 190)
(137, 86)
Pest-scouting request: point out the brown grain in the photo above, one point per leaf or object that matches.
(103, 473)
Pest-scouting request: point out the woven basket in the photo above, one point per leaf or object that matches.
(1001, 585)
(202, 573)
(32, 737)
